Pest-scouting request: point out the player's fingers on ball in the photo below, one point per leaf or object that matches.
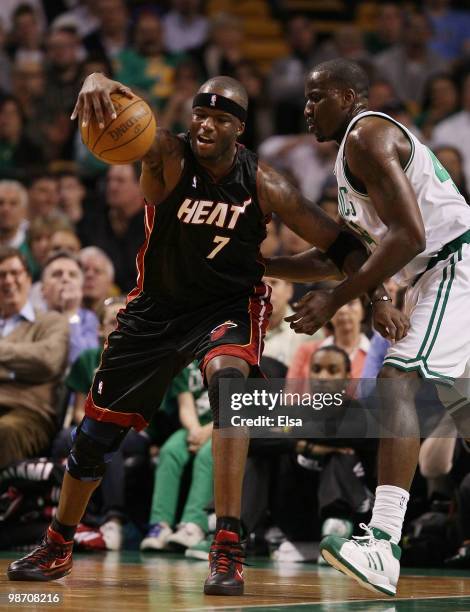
(126, 91)
(98, 110)
(85, 111)
(291, 317)
(109, 106)
(76, 109)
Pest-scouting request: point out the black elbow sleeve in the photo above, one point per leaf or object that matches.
(344, 244)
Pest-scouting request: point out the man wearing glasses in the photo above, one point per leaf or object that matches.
(33, 356)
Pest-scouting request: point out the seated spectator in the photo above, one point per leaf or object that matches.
(286, 78)
(43, 196)
(347, 42)
(410, 64)
(40, 232)
(13, 215)
(120, 230)
(178, 112)
(98, 273)
(192, 441)
(455, 130)
(147, 66)
(62, 290)
(388, 28)
(60, 93)
(184, 26)
(450, 29)
(81, 18)
(381, 93)
(309, 162)
(258, 122)
(26, 35)
(342, 469)
(440, 100)
(347, 335)
(5, 64)
(65, 240)
(72, 193)
(19, 156)
(111, 37)
(33, 357)
(452, 160)
(28, 81)
(224, 50)
(281, 342)
(444, 453)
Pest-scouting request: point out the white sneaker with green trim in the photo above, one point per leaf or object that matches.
(372, 559)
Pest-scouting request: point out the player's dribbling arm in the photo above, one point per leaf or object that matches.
(161, 166)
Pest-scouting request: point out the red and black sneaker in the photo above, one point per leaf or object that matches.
(51, 560)
(225, 565)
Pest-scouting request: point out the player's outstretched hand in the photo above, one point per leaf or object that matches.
(390, 322)
(95, 98)
(312, 311)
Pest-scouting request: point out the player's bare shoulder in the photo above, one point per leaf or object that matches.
(162, 166)
(374, 139)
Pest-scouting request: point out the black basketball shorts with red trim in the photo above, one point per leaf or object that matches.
(148, 349)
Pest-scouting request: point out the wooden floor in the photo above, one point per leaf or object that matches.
(131, 582)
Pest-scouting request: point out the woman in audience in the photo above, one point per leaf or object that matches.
(440, 100)
(347, 335)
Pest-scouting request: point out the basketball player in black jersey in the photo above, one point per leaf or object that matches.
(199, 294)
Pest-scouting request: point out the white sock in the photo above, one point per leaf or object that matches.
(389, 510)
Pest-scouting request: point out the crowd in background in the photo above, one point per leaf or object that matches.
(70, 228)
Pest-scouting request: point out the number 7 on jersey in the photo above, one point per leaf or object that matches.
(220, 242)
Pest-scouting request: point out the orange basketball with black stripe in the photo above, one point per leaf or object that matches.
(125, 139)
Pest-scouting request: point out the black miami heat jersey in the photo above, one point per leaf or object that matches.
(203, 240)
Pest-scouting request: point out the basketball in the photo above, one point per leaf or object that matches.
(125, 139)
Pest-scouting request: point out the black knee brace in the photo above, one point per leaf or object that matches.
(90, 451)
(214, 390)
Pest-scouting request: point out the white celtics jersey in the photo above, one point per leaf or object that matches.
(445, 213)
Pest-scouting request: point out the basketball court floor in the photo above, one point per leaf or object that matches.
(132, 582)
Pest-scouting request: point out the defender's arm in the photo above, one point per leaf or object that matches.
(277, 195)
(372, 157)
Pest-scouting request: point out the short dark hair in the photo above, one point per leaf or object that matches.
(23, 9)
(332, 348)
(7, 252)
(346, 74)
(62, 255)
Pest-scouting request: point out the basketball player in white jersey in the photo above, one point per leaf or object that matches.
(401, 200)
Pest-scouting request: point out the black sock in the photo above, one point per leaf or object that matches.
(66, 531)
(228, 523)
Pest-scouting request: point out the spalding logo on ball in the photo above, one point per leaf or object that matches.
(125, 139)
